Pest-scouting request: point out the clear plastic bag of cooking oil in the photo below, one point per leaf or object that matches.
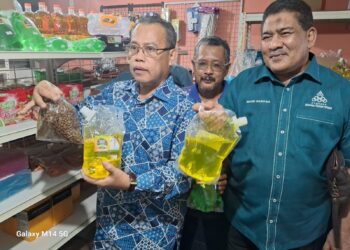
(103, 132)
(210, 137)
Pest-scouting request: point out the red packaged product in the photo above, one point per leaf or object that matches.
(73, 93)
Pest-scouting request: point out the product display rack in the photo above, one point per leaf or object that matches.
(59, 55)
(55, 237)
(44, 186)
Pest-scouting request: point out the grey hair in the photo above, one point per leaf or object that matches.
(213, 41)
(168, 27)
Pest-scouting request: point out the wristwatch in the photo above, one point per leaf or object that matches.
(133, 183)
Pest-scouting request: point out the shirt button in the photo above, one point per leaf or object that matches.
(284, 110)
(287, 89)
(282, 132)
(274, 200)
(271, 221)
(280, 153)
(278, 176)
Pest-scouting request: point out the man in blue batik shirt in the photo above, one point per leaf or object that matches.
(141, 205)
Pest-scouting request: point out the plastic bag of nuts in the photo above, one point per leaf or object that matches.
(59, 123)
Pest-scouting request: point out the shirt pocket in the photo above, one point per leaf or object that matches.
(315, 133)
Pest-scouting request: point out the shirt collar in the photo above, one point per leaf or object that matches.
(194, 94)
(163, 91)
(312, 72)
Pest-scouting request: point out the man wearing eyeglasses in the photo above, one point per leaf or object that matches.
(210, 66)
(141, 205)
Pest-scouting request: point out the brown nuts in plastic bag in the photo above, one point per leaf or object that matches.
(59, 123)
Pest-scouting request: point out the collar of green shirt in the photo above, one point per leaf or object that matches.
(311, 72)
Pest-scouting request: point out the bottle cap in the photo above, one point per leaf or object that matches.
(87, 113)
(242, 121)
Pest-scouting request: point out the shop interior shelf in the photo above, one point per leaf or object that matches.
(42, 187)
(84, 214)
(17, 131)
(59, 55)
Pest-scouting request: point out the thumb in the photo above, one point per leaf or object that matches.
(109, 167)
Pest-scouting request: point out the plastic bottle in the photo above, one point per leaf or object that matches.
(92, 44)
(42, 18)
(72, 21)
(57, 44)
(59, 23)
(8, 38)
(82, 23)
(101, 142)
(29, 13)
(27, 33)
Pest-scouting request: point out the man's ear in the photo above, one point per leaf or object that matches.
(173, 56)
(311, 37)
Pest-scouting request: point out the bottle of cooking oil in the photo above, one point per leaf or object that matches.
(82, 23)
(103, 140)
(27, 33)
(59, 24)
(42, 19)
(29, 13)
(205, 149)
(72, 21)
(8, 37)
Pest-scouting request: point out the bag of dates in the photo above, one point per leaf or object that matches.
(59, 122)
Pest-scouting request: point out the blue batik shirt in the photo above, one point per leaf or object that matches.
(152, 215)
(277, 191)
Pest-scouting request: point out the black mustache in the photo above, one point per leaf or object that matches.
(208, 78)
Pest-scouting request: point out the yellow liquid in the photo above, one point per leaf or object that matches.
(93, 156)
(202, 156)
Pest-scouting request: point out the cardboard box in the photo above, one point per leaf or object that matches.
(30, 223)
(75, 188)
(62, 205)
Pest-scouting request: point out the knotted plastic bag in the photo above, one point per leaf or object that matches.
(59, 123)
(210, 137)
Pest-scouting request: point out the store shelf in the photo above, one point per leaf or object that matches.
(42, 187)
(84, 214)
(318, 15)
(16, 131)
(59, 55)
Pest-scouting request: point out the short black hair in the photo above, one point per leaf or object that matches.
(168, 27)
(213, 41)
(302, 9)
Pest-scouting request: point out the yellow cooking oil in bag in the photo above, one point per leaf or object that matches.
(103, 132)
(99, 149)
(207, 144)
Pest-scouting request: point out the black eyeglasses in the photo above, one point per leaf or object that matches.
(215, 66)
(148, 50)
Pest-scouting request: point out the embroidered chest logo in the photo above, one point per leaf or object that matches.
(319, 101)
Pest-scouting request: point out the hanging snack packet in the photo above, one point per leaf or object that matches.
(103, 139)
(209, 140)
(59, 123)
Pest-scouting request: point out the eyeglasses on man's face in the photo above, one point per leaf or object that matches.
(148, 50)
(215, 66)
